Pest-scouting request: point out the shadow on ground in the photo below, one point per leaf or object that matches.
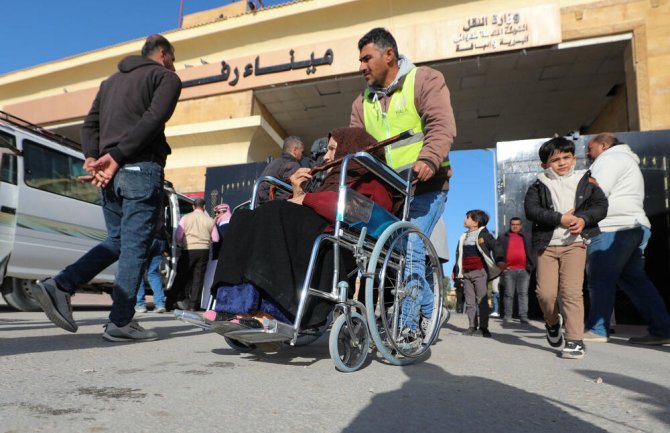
(434, 400)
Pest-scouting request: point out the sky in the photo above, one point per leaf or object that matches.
(39, 31)
(471, 187)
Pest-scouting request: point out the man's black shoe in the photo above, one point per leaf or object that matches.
(56, 304)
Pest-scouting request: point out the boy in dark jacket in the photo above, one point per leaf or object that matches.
(475, 266)
(565, 206)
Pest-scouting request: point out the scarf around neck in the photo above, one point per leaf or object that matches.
(404, 66)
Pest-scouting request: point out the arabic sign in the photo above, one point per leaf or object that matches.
(505, 30)
(256, 69)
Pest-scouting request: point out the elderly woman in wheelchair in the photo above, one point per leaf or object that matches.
(283, 265)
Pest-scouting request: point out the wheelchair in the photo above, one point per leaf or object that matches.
(378, 242)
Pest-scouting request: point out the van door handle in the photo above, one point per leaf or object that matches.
(9, 210)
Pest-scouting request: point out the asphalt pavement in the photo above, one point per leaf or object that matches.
(191, 381)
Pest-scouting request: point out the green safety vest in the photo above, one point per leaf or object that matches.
(401, 116)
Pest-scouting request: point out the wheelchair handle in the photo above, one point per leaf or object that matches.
(402, 136)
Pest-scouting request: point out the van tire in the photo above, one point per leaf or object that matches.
(18, 294)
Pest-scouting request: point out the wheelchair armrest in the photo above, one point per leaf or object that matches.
(385, 173)
(272, 181)
(358, 211)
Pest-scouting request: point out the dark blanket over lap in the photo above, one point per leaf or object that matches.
(270, 248)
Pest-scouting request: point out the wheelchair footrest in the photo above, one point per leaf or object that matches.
(276, 331)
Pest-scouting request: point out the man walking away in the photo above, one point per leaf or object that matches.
(616, 256)
(195, 234)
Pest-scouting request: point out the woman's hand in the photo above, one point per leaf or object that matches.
(297, 199)
(297, 179)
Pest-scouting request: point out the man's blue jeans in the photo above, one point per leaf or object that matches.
(130, 206)
(618, 258)
(154, 276)
(424, 211)
(516, 280)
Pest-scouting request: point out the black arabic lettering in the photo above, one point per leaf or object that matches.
(328, 57)
(272, 69)
(225, 71)
(468, 47)
(475, 22)
(248, 70)
(309, 65)
(237, 77)
(255, 69)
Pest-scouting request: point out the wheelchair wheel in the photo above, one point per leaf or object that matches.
(238, 346)
(349, 353)
(386, 290)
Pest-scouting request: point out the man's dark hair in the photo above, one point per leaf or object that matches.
(478, 216)
(155, 42)
(291, 142)
(556, 144)
(381, 38)
(515, 219)
(199, 203)
(608, 138)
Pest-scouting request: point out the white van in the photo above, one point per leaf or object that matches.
(48, 218)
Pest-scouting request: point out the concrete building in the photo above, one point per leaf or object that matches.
(516, 69)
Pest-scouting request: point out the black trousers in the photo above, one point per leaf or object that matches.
(190, 276)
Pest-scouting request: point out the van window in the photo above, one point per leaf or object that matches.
(56, 172)
(8, 165)
(185, 206)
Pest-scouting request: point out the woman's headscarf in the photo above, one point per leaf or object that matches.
(349, 140)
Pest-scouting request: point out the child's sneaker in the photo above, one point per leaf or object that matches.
(555, 333)
(573, 350)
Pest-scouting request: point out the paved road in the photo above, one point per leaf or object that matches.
(190, 381)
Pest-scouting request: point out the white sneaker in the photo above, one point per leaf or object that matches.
(131, 332)
(494, 314)
(140, 309)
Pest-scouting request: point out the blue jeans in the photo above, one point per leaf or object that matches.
(154, 276)
(495, 298)
(424, 212)
(495, 295)
(130, 206)
(516, 280)
(618, 258)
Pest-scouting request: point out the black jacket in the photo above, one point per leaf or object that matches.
(282, 168)
(590, 204)
(128, 116)
(503, 242)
